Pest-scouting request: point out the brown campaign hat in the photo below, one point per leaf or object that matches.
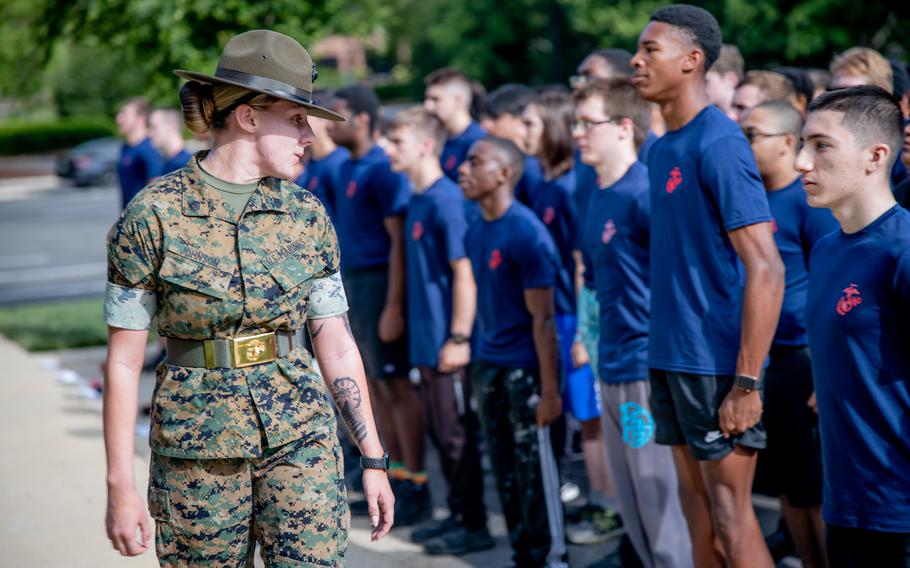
(267, 62)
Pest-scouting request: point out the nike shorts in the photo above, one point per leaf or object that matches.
(684, 407)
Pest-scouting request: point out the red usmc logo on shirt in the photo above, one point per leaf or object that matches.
(849, 300)
(450, 163)
(548, 215)
(417, 231)
(352, 189)
(314, 183)
(675, 180)
(608, 232)
(495, 259)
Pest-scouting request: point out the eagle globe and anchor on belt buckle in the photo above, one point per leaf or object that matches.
(247, 351)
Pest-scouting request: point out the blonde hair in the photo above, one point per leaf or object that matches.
(772, 85)
(206, 107)
(424, 122)
(864, 62)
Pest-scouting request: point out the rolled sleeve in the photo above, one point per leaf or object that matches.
(327, 298)
(129, 308)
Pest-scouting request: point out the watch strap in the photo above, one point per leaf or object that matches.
(745, 382)
(375, 463)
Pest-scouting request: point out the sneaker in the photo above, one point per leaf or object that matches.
(460, 541)
(412, 504)
(600, 527)
(433, 529)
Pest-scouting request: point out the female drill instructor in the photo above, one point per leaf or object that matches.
(230, 260)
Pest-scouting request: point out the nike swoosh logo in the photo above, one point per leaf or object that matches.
(713, 436)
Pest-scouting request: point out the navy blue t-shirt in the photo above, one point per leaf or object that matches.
(138, 165)
(797, 227)
(644, 151)
(616, 240)
(435, 231)
(554, 203)
(509, 255)
(704, 184)
(176, 161)
(456, 149)
(368, 192)
(858, 317)
(321, 177)
(530, 179)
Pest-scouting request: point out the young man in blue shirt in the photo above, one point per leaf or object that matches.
(858, 319)
(717, 282)
(139, 162)
(370, 203)
(441, 308)
(611, 121)
(321, 173)
(448, 96)
(166, 133)
(504, 107)
(793, 458)
(515, 376)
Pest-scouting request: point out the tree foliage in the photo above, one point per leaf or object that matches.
(108, 49)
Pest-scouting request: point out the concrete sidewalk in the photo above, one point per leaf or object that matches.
(52, 473)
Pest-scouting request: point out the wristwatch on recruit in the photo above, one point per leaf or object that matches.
(745, 383)
(459, 338)
(375, 463)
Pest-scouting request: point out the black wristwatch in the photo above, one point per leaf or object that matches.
(745, 383)
(459, 338)
(375, 463)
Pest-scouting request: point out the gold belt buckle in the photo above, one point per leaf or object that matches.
(254, 349)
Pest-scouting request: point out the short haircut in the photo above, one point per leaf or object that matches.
(478, 100)
(900, 78)
(864, 62)
(773, 86)
(361, 99)
(800, 80)
(514, 158)
(510, 98)
(446, 75)
(871, 113)
(141, 104)
(620, 100)
(730, 60)
(424, 122)
(786, 119)
(619, 60)
(698, 24)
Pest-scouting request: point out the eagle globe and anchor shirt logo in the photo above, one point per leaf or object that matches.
(850, 299)
(674, 180)
(417, 230)
(495, 259)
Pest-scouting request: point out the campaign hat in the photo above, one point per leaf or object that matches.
(267, 62)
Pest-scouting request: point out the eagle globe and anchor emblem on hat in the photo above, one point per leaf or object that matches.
(267, 62)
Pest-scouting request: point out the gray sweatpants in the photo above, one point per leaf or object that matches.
(645, 478)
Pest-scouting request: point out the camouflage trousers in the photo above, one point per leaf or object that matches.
(212, 512)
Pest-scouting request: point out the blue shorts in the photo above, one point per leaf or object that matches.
(580, 396)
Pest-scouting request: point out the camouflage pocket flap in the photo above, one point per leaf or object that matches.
(159, 504)
(194, 275)
(292, 271)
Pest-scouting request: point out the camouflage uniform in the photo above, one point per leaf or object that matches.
(246, 448)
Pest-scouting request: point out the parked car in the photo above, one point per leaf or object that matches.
(92, 163)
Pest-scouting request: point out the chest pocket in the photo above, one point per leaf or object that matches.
(291, 272)
(191, 274)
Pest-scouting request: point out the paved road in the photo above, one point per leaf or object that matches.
(52, 239)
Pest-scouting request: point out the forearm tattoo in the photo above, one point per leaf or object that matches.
(318, 330)
(347, 325)
(349, 400)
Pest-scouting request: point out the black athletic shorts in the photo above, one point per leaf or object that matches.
(792, 461)
(684, 407)
(862, 548)
(366, 291)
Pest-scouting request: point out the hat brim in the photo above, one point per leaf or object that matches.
(313, 110)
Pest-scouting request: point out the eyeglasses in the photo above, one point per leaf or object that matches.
(585, 126)
(753, 135)
(580, 80)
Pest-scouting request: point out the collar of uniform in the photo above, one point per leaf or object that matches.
(267, 196)
(199, 202)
